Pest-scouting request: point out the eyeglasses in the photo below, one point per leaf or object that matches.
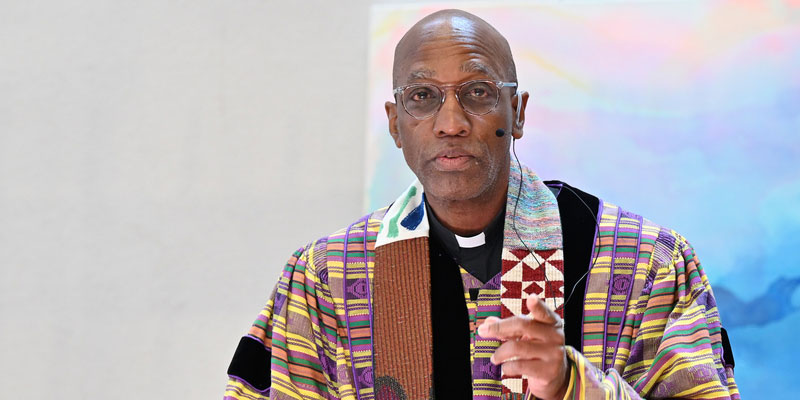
(421, 100)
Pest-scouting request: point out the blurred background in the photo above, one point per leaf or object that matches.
(160, 161)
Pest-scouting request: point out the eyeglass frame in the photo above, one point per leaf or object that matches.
(457, 86)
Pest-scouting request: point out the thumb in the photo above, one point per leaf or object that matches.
(539, 311)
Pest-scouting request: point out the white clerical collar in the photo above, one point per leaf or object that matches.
(472, 241)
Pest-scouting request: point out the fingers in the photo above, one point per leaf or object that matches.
(537, 325)
(526, 350)
(521, 327)
(546, 379)
(524, 367)
(544, 365)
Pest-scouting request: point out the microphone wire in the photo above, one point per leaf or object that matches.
(519, 236)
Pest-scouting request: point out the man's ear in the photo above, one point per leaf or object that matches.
(518, 103)
(391, 114)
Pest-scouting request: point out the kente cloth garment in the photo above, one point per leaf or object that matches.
(650, 323)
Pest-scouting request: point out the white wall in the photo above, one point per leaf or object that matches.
(159, 162)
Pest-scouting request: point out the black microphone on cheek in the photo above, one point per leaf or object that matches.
(500, 132)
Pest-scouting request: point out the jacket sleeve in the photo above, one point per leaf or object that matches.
(677, 348)
(280, 355)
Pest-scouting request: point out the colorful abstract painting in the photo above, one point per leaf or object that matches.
(687, 112)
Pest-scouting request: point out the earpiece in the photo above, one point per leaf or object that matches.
(518, 122)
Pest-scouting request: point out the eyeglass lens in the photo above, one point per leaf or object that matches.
(475, 97)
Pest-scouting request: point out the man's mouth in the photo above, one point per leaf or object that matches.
(452, 160)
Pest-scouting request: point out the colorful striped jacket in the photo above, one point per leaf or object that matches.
(651, 328)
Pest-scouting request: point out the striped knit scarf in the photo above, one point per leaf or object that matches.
(532, 265)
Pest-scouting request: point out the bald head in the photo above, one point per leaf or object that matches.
(451, 28)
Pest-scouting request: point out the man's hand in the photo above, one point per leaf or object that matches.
(533, 347)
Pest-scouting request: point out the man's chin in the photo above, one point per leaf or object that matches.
(455, 186)
(454, 192)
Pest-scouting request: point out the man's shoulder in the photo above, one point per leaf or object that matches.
(359, 235)
(609, 218)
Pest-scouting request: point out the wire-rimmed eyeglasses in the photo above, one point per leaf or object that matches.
(421, 100)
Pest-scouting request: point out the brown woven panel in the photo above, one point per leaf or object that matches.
(402, 319)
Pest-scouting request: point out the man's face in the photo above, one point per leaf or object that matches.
(456, 155)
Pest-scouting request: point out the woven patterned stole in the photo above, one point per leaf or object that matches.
(402, 332)
(533, 258)
(402, 321)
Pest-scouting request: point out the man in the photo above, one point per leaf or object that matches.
(459, 287)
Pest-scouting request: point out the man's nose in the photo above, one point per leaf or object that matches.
(451, 120)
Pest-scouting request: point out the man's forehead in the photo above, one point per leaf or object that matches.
(417, 71)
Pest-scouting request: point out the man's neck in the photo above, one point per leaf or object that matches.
(468, 217)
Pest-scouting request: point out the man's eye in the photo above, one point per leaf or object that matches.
(422, 94)
(476, 91)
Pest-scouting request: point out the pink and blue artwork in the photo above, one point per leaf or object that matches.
(687, 112)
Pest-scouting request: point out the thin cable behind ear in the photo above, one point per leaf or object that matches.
(514, 219)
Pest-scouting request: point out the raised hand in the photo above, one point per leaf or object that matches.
(533, 347)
